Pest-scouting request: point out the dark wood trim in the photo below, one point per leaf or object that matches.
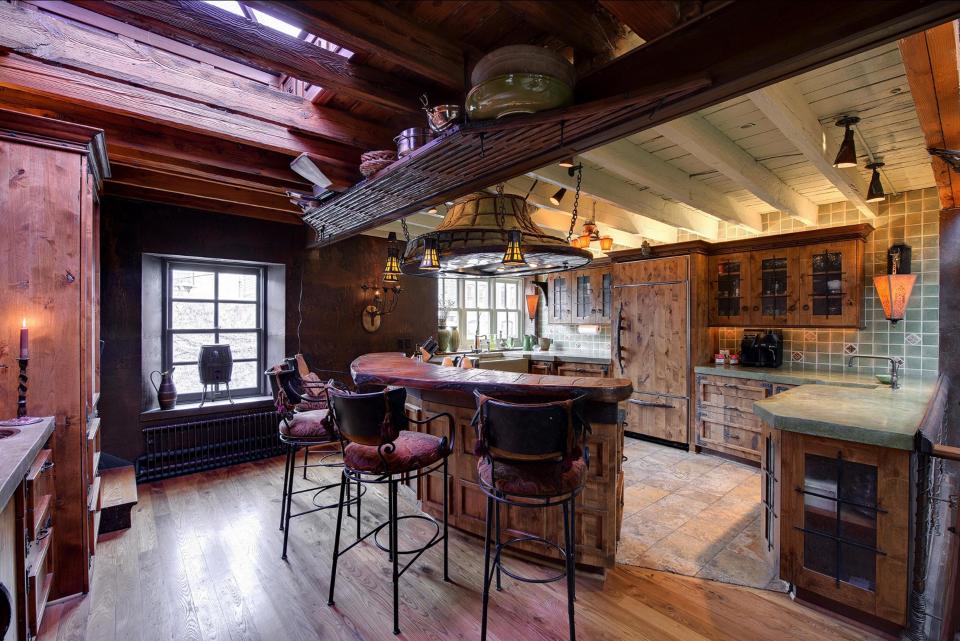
(807, 237)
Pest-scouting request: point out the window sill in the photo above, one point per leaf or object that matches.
(222, 406)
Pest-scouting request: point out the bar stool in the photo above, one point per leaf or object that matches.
(306, 428)
(532, 455)
(377, 448)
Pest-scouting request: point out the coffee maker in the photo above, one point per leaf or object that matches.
(761, 348)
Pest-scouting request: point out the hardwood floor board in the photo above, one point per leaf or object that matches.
(202, 561)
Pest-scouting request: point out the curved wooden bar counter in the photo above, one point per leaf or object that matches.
(433, 389)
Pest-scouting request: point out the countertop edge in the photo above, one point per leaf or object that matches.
(812, 427)
(14, 470)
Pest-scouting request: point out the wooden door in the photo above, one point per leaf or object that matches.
(583, 306)
(559, 294)
(775, 287)
(653, 338)
(845, 526)
(831, 284)
(729, 289)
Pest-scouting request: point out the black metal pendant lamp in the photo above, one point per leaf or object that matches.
(875, 191)
(847, 154)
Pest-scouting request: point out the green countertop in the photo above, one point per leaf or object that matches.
(841, 405)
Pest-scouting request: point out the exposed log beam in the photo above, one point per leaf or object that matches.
(46, 37)
(177, 182)
(206, 27)
(931, 62)
(193, 201)
(652, 18)
(631, 162)
(713, 147)
(626, 227)
(163, 147)
(574, 22)
(31, 76)
(786, 108)
(751, 46)
(376, 28)
(619, 193)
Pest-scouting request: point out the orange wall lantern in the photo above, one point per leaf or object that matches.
(894, 288)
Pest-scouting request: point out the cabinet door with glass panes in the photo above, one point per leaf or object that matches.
(603, 294)
(775, 290)
(559, 297)
(829, 276)
(845, 522)
(584, 294)
(730, 289)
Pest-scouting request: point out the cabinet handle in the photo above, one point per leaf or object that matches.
(756, 308)
(46, 466)
(649, 404)
(806, 307)
(792, 307)
(745, 308)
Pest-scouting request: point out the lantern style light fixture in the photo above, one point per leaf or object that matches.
(894, 287)
(391, 270)
(513, 256)
(431, 259)
(847, 154)
(533, 302)
(875, 191)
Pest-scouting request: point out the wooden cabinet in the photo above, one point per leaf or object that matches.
(658, 416)
(593, 370)
(831, 284)
(845, 523)
(584, 296)
(775, 287)
(730, 289)
(725, 418)
(590, 296)
(545, 368)
(560, 298)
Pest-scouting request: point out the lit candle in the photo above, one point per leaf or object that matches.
(24, 349)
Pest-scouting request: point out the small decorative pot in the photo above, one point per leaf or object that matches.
(167, 391)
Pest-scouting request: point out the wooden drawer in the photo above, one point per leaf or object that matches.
(39, 492)
(542, 367)
(583, 369)
(731, 415)
(657, 416)
(39, 580)
(724, 392)
(726, 437)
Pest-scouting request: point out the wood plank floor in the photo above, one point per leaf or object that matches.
(202, 562)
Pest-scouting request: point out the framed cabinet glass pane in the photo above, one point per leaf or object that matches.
(827, 284)
(773, 283)
(729, 282)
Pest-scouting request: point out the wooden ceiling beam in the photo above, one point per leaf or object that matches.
(87, 90)
(377, 28)
(930, 58)
(787, 109)
(31, 32)
(204, 26)
(742, 46)
(617, 192)
(649, 19)
(574, 22)
(711, 146)
(633, 163)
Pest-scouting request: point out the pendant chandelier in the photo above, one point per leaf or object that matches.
(591, 233)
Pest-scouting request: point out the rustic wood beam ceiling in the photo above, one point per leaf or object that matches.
(633, 163)
(786, 108)
(930, 58)
(207, 27)
(710, 145)
(377, 28)
(64, 42)
(617, 192)
(652, 18)
(574, 22)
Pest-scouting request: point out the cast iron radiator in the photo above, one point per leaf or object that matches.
(201, 443)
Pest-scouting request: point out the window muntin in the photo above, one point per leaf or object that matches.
(486, 306)
(207, 303)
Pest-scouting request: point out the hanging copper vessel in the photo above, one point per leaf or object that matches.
(475, 232)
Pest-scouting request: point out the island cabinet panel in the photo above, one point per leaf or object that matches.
(771, 480)
(599, 509)
(582, 369)
(545, 368)
(845, 523)
(725, 421)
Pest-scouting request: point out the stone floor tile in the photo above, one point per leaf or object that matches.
(636, 497)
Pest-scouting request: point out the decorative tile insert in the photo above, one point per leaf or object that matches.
(796, 357)
(849, 349)
(809, 336)
(913, 339)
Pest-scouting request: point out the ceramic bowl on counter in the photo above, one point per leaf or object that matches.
(517, 93)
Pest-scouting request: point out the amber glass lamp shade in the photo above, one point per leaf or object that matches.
(606, 243)
(514, 254)
(533, 301)
(893, 290)
(431, 259)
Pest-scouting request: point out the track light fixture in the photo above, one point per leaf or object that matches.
(847, 154)
(566, 163)
(875, 191)
(558, 196)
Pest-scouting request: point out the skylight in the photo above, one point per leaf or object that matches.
(274, 23)
(228, 5)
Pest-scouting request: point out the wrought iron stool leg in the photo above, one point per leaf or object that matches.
(306, 456)
(286, 479)
(486, 571)
(289, 501)
(349, 489)
(358, 510)
(336, 539)
(573, 541)
(446, 485)
(496, 560)
(571, 562)
(394, 546)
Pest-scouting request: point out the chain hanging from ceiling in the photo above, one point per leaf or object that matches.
(576, 203)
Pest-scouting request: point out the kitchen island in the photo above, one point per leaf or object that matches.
(432, 389)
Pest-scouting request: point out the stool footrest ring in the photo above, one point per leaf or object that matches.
(497, 562)
(324, 488)
(433, 539)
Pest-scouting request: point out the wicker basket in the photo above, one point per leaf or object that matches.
(371, 167)
(383, 154)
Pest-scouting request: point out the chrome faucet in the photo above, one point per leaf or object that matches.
(895, 364)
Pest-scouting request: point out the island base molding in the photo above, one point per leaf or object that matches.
(599, 508)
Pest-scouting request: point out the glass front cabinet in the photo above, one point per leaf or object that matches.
(831, 283)
(839, 512)
(776, 287)
(730, 289)
(582, 296)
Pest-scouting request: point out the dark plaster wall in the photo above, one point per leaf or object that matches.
(330, 333)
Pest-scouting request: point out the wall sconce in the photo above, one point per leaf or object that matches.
(533, 302)
(894, 287)
(380, 303)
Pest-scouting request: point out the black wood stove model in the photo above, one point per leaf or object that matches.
(216, 369)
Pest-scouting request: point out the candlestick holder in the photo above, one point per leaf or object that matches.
(22, 418)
